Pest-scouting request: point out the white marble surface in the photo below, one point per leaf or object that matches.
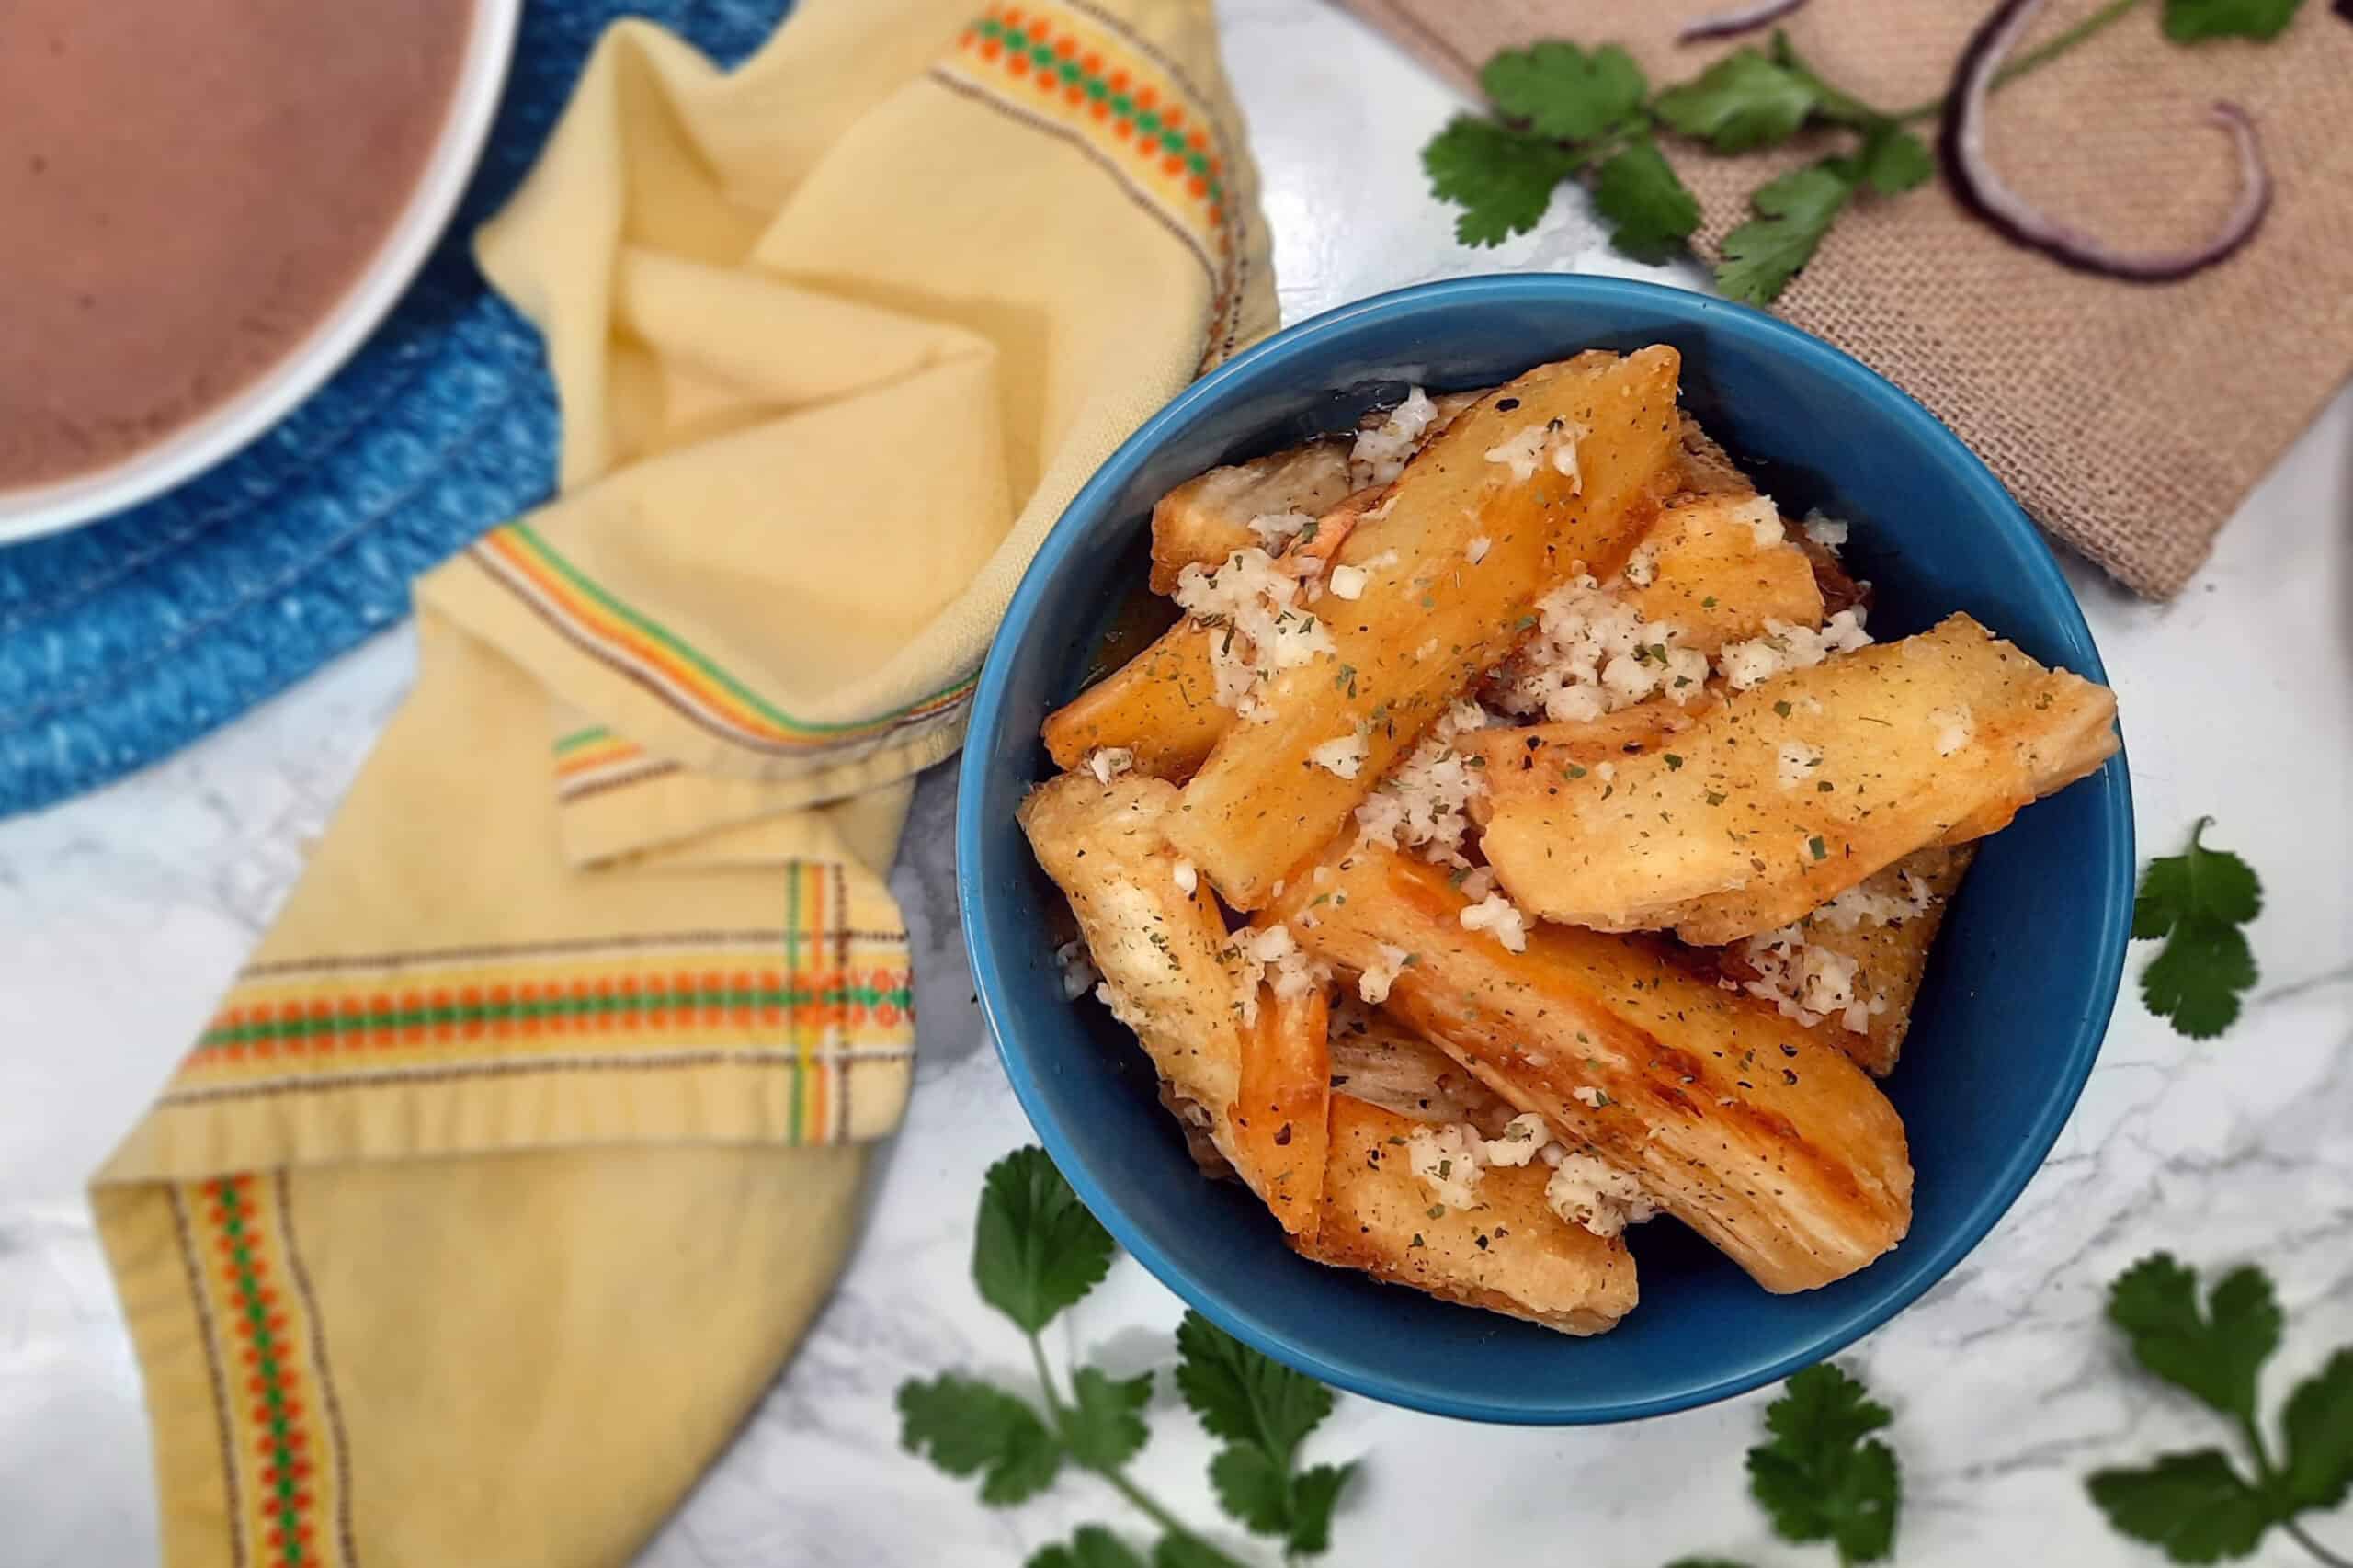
(123, 914)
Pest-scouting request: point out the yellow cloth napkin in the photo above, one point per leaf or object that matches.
(523, 1151)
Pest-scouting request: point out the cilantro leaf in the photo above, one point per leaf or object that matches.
(2214, 1354)
(1560, 90)
(973, 1428)
(1313, 1495)
(1501, 179)
(1892, 161)
(1092, 1547)
(1741, 102)
(2319, 1426)
(1104, 1427)
(1036, 1249)
(1253, 1487)
(1242, 1395)
(2194, 1505)
(2197, 901)
(2186, 21)
(1650, 212)
(1816, 1479)
(1793, 212)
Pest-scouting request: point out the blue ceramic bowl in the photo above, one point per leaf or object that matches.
(2006, 1028)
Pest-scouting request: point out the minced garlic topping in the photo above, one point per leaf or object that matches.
(1343, 756)
(1423, 804)
(1253, 606)
(1271, 954)
(1380, 455)
(1785, 647)
(1592, 654)
(1551, 441)
(1107, 763)
(1502, 918)
(1586, 1192)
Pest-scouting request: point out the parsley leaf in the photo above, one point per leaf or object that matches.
(1816, 1478)
(2195, 1505)
(1092, 1547)
(1741, 102)
(973, 1428)
(1104, 1427)
(1705, 1562)
(2197, 901)
(1036, 1249)
(2214, 1354)
(2186, 21)
(1651, 213)
(2319, 1424)
(1501, 179)
(1263, 1409)
(1793, 215)
(1559, 90)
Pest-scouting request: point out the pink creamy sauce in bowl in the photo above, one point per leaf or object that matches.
(205, 205)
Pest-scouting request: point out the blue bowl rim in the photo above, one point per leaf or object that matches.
(1920, 1271)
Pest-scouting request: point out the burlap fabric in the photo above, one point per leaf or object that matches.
(2130, 419)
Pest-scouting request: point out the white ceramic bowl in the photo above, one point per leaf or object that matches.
(198, 444)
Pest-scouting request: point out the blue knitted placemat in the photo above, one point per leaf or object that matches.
(122, 642)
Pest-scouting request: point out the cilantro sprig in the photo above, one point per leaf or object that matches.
(2200, 1506)
(1037, 1252)
(1819, 1474)
(1560, 112)
(2197, 901)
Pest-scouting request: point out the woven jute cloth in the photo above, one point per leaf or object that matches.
(2130, 419)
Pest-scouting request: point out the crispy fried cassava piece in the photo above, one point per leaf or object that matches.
(1892, 956)
(1509, 1254)
(1162, 705)
(1279, 1106)
(1259, 807)
(1206, 519)
(1161, 950)
(1736, 829)
(1722, 571)
(1378, 1059)
(1752, 1130)
(1535, 759)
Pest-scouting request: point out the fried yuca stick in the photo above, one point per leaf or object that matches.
(1206, 519)
(1719, 568)
(1511, 1254)
(1161, 950)
(1784, 796)
(1162, 705)
(1284, 1087)
(1584, 450)
(1773, 1145)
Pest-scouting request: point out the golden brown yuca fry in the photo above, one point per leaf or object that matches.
(1279, 1109)
(1160, 705)
(1206, 519)
(1891, 954)
(1750, 1130)
(1161, 950)
(1509, 1254)
(1722, 571)
(1536, 759)
(1708, 470)
(1430, 621)
(1378, 1058)
(1786, 795)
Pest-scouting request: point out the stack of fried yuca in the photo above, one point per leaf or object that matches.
(1614, 1021)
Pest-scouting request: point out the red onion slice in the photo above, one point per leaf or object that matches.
(1960, 144)
(1748, 18)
